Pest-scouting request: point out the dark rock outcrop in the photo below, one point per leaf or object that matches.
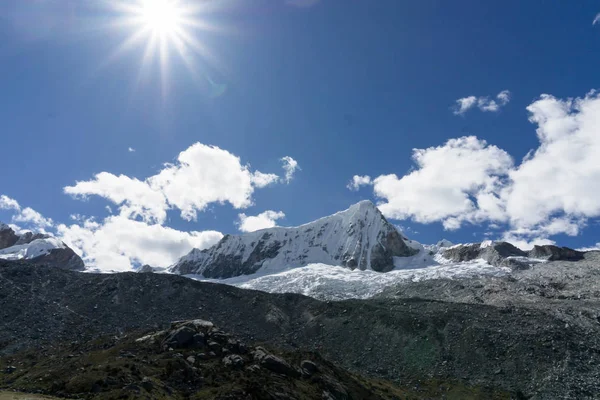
(8, 237)
(555, 253)
(29, 237)
(495, 253)
(64, 258)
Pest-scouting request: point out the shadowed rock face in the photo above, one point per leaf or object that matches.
(503, 254)
(495, 254)
(60, 258)
(359, 237)
(8, 237)
(29, 237)
(555, 253)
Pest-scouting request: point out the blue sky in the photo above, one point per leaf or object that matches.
(343, 87)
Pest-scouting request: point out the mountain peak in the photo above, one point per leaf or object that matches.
(359, 237)
(39, 248)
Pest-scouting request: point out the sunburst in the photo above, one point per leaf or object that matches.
(162, 26)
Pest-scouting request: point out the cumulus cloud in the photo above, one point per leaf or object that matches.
(289, 166)
(267, 219)
(465, 104)
(131, 150)
(453, 182)
(31, 217)
(561, 178)
(358, 181)
(201, 175)
(136, 234)
(7, 203)
(119, 243)
(484, 103)
(27, 215)
(503, 97)
(261, 180)
(136, 198)
(554, 190)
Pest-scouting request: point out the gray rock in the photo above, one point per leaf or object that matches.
(145, 269)
(555, 253)
(181, 338)
(278, 365)
(29, 237)
(309, 366)
(233, 361)
(8, 237)
(495, 254)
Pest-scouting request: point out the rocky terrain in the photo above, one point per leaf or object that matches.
(192, 359)
(506, 255)
(530, 352)
(359, 237)
(38, 248)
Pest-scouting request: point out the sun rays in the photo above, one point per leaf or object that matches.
(164, 28)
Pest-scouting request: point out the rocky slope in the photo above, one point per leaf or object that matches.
(357, 238)
(38, 248)
(530, 352)
(194, 359)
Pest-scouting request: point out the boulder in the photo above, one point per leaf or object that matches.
(233, 361)
(181, 337)
(309, 367)
(278, 365)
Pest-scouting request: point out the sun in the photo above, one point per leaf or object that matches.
(164, 17)
(164, 28)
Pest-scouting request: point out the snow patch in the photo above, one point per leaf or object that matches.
(36, 248)
(330, 282)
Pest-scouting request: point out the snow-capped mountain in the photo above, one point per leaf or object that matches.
(38, 248)
(357, 238)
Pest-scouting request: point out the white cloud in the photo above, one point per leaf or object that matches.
(263, 220)
(119, 243)
(358, 181)
(202, 175)
(34, 218)
(452, 183)
(7, 203)
(596, 19)
(524, 243)
(261, 180)
(131, 150)
(554, 190)
(591, 248)
(561, 178)
(504, 97)
(27, 215)
(487, 105)
(484, 103)
(289, 166)
(136, 198)
(465, 104)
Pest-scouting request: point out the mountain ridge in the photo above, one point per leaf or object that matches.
(359, 237)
